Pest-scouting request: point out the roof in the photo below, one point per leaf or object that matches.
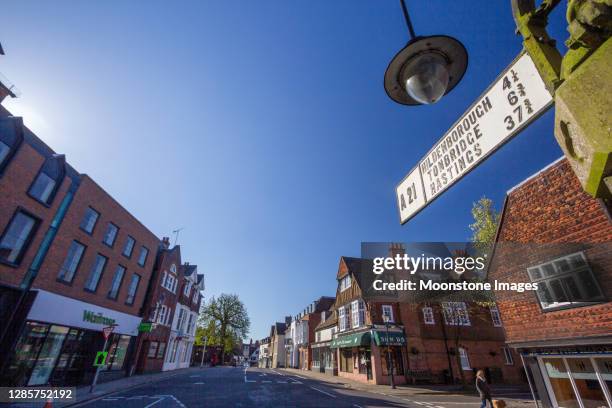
(189, 269)
(329, 322)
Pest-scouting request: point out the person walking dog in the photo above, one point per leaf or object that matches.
(483, 389)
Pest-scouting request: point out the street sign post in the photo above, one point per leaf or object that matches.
(515, 99)
(106, 332)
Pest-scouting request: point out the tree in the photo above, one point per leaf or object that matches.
(485, 223)
(224, 320)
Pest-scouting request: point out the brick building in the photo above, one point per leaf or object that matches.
(553, 234)
(72, 261)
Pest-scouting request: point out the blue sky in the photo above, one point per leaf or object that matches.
(261, 128)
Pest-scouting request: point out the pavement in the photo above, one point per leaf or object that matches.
(258, 387)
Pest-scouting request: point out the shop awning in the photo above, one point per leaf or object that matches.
(352, 340)
(393, 338)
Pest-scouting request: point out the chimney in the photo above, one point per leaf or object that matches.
(165, 242)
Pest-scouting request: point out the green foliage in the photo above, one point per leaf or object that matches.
(223, 321)
(485, 223)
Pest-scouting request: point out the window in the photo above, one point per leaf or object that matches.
(152, 349)
(456, 314)
(195, 297)
(161, 350)
(132, 289)
(495, 316)
(465, 361)
(111, 234)
(116, 285)
(173, 268)
(187, 289)
(169, 282)
(343, 317)
(11, 136)
(142, 258)
(180, 322)
(508, 356)
(387, 310)
(117, 351)
(190, 324)
(345, 283)
(17, 236)
(71, 263)
(357, 313)
(428, 316)
(163, 314)
(95, 273)
(129, 246)
(565, 282)
(88, 222)
(48, 180)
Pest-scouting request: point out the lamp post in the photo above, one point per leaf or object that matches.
(426, 69)
(204, 339)
(386, 319)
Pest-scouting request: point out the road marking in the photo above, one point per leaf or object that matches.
(266, 381)
(323, 392)
(358, 406)
(153, 403)
(135, 397)
(297, 382)
(281, 382)
(299, 376)
(198, 383)
(194, 376)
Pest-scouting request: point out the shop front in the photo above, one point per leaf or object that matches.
(390, 349)
(354, 356)
(324, 358)
(576, 377)
(59, 340)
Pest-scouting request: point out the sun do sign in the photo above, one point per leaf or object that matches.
(516, 98)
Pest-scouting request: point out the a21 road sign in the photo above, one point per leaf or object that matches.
(516, 98)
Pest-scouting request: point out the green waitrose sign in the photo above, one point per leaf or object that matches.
(97, 318)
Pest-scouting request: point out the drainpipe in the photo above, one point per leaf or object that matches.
(26, 283)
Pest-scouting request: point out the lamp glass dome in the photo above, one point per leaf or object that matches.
(426, 81)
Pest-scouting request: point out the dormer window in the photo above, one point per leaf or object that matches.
(173, 268)
(48, 180)
(345, 283)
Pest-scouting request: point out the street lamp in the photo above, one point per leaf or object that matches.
(426, 69)
(386, 319)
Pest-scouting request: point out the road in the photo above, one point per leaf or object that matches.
(255, 387)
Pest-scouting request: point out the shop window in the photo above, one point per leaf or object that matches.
(387, 310)
(111, 234)
(95, 273)
(495, 316)
(508, 356)
(48, 355)
(560, 382)
(88, 223)
(428, 316)
(465, 360)
(30, 342)
(117, 351)
(161, 350)
(132, 289)
(152, 349)
(11, 136)
(565, 282)
(587, 384)
(116, 284)
(396, 361)
(455, 314)
(72, 261)
(48, 180)
(129, 246)
(17, 236)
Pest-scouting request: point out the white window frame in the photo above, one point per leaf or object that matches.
(495, 316)
(342, 315)
(509, 360)
(390, 309)
(465, 359)
(345, 283)
(456, 314)
(428, 315)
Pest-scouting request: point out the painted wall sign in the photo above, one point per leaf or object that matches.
(515, 99)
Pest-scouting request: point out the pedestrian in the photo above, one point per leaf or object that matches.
(483, 389)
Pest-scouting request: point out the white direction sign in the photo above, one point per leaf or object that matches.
(516, 98)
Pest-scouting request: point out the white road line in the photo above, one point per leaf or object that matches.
(323, 392)
(358, 406)
(198, 383)
(266, 381)
(297, 382)
(153, 403)
(299, 376)
(135, 397)
(281, 382)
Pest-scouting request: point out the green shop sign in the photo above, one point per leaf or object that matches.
(382, 338)
(352, 340)
(98, 318)
(145, 327)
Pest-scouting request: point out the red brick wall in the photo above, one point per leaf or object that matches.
(14, 184)
(552, 208)
(90, 194)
